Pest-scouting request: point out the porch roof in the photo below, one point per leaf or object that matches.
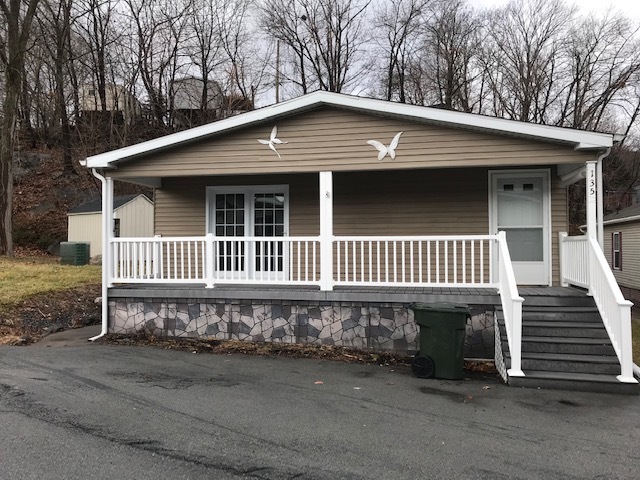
(578, 139)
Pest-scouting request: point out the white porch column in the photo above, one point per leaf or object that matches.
(326, 230)
(107, 229)
(591, 197)
(599, 203)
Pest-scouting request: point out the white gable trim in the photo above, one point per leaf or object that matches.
(581, 140)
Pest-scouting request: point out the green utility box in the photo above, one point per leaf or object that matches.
(74, 253)
(442, 333)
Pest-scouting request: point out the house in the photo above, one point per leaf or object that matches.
(622, 248)
(121, 106)
(132, 217)
(189, 106)
(322, 218)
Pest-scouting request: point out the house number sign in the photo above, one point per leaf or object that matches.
(592, 182)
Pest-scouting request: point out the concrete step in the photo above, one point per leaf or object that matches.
(581, 315)
(563, 362)
(536, 328)
(556, 316)
(586, 382)
(571, 345)
(550, 301)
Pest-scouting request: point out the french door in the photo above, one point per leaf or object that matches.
(261, 212)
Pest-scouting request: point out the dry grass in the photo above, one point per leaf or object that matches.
(21, 278)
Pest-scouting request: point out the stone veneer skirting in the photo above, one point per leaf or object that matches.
(376, 326)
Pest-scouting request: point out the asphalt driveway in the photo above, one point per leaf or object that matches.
(99, 411)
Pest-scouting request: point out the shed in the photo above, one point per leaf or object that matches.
(132, 217)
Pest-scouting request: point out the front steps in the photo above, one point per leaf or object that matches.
(564, 346)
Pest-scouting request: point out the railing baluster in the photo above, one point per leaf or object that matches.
(446, 261)
(395, 261)
(420, 261)
(464, 261)
(338, 259)
(315, 278)
(306, 261)
(481, 261)
(404, 262)
(354, 259)
(370, 263)
(437, 261)
(455, 261)
(378, 260)
(411, 259)
(428, 261)
(386, 261)
(298, 260)
(362, 261)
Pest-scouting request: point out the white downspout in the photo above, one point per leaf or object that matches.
(107, 203)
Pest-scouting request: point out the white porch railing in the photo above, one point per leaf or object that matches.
(461, 261)
(210, 260)
(374, 261)
(421, 261)
(511, 306)
(574, 266)
(596, 275)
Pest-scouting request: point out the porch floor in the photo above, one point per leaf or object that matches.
(478, 296)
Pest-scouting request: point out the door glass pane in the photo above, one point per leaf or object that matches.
(229, 222)
(520, 202)
(269, 222)
(525, 244)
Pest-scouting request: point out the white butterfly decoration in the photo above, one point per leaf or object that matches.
(390, 150)
(273, 141)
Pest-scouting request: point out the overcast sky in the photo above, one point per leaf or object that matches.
(630, 7)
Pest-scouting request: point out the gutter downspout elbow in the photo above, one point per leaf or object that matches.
(105, 272)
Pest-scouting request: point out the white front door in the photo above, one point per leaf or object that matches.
(520, 206)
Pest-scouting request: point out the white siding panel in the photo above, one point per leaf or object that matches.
(629, 275)
(86, 227)
(136, 218)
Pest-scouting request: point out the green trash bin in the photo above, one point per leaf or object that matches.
(442, 332)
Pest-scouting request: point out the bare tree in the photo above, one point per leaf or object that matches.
(603, 55)
(522, 58)
(452, 42)
(17, 16)
(55, 29)
(325, 36)
(399, 26)
(159, 32)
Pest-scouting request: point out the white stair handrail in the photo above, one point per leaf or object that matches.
(511, 306)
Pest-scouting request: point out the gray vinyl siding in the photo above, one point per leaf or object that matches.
(398, 202)
(336, 140)
(629, 275)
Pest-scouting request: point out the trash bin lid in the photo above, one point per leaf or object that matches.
(439, 307)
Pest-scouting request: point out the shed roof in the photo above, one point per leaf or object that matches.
(628, 214)
(578, 139)
(95, 205)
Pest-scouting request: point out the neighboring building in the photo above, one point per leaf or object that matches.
(188, 108)
(132, 217)
(121, 105)
(622, 249)
(321, 219)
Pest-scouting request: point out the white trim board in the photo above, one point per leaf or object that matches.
(579, 139)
